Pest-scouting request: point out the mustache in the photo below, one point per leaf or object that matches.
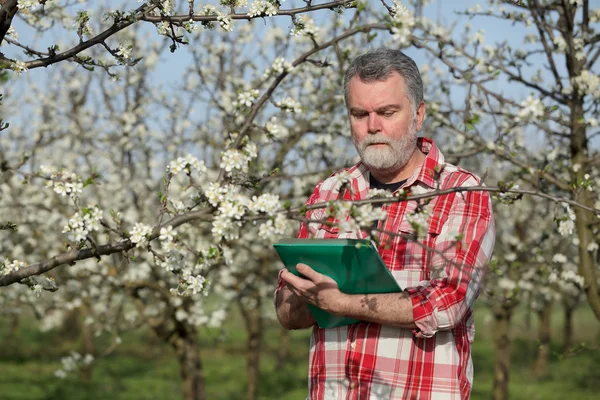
(375, 139)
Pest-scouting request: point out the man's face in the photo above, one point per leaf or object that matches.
(382, 124)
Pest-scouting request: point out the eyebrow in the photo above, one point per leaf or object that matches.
(387, 107)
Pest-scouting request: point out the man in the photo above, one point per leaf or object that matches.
(415, 344)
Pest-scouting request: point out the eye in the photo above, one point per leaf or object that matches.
(387, 114)
(359, 115)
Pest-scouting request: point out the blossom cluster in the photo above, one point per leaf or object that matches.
(187, 163)
(275, 130)
(531, 109)
(304, 26)
(290, 105)
(279, 65)
(262, 8)
(139, 234)
(27, 5)
(232, 206)
(7, 266)
(83, 222)
(73, 362)
(588, 83)
(245, 99)
(63, 182)
(124, 51)
(19, 67)
(402, 24)
(566, 223)
(274, 228)
(225, 22)
(238, 159)
(198, 317)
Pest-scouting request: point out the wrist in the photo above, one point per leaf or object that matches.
(341, 305)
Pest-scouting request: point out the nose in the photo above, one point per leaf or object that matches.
(374, 123)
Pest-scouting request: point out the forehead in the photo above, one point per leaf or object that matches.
(373, 94)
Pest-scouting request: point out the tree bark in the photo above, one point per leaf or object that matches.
(283, 350)
(87, 339)
(543, 353)
(255, 329)
(186, 348)
(580, 155)
(502, 316)
(568, 327)
(13, 328)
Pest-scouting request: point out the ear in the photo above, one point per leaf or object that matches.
(421, 113)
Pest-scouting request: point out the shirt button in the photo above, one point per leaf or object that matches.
(353, 345)
(352, 385)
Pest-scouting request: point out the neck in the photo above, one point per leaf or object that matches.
(393, 176)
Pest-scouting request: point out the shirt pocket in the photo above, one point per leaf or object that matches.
(326, 231)
(410, 278)
(410, 251)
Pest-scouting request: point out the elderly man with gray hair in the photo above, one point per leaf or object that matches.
(415, 344)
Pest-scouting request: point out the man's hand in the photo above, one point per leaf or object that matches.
(316, 289)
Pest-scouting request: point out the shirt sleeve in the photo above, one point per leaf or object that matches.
(303, 233)
(457, 266)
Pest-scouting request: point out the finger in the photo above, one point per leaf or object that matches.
(308, 272)
(295, 281)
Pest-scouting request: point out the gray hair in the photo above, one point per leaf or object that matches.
(377, 65)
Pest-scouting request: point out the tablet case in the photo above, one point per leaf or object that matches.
(354, 264)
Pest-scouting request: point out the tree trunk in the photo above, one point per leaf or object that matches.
(255, 329)
(186, 348)
(87, 338)
(502, 316)
(568, 327)
(71, 326)
(283, 350)
(580, 155)
(13, 328)
(541, 362)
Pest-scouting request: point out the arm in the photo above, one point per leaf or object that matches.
(437, 304)
(442, 302)
(388, 309)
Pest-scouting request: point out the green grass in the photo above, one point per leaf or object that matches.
(143, 368)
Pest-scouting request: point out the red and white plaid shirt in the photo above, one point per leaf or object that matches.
(372, 361)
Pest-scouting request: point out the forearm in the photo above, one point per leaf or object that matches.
(292, 312)
(393, 309)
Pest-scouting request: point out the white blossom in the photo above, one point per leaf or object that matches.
(188, 162)
(139, 234)
(530, 109)
(279, 65)
(63, 182)
(266, 203)
(559, 258)
(245, 99)
(507, 284)
(402, 24)
(83, 222)
(260, 8)
(225, 22)
(166, 234)
(290, 105)
(588, 83)
(305, 26)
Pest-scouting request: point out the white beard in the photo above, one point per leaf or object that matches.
(393, 156)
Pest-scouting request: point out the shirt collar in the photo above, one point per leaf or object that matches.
(433, 164)
(425, 173)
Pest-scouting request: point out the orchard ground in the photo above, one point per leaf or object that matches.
(143, 368)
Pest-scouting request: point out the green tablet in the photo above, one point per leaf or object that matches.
(354, 264)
